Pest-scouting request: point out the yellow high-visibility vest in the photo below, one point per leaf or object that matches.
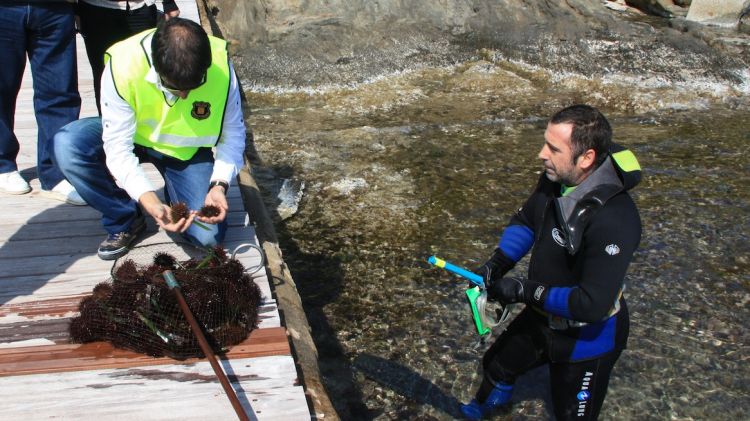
(180, 128)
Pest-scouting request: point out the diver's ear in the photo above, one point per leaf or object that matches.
(585, 161)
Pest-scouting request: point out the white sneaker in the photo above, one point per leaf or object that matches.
(13, 183)
(65, 192)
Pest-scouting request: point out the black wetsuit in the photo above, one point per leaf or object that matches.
(577, 321)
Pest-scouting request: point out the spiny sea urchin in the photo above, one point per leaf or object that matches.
(179, 210)
(165, 260)
(209, 211)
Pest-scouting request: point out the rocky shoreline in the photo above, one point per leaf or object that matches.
(290, 45)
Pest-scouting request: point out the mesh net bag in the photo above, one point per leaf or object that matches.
(136, 310)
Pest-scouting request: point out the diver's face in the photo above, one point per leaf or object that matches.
(557, 155)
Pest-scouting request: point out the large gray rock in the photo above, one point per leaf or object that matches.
(292, 43)
(717, 12)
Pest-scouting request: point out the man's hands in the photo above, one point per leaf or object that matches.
(507, 290)
(160, 212)
(216, 196)
(511, 290)
(495, 268)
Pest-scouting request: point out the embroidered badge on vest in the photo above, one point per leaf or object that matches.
(201, 110)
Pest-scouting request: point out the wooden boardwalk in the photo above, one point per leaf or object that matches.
(48, 263)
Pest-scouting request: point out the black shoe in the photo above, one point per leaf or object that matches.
(116, 245)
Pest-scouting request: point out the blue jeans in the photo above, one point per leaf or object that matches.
(46, 32)
(79, 153)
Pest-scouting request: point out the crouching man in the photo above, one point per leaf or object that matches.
(170, 97)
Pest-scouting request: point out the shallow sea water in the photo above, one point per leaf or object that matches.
(434, 161)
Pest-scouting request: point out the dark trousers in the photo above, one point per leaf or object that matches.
(578, 388)
(46, 33)
(102, 27)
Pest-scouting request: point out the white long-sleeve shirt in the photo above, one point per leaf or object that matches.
(118, 124)
(119, 5)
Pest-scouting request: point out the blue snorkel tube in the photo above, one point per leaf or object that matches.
(477, 296)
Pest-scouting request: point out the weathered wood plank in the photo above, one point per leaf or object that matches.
(266, 388)
(40, 287)
(44, 212)
(102, 355)
(77, 260)
(51, 330)
(26, 289)
(56, 307)
(61, 224)
(29, 289)
(16, 329)
(44, 238)
(36, 207)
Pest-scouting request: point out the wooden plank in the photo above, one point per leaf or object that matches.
(27, 288)
(86, 219)
(266, 386)
(25, 333)
(57, 307)
(28, 211)
(35, 207)
(24, 289)
(52, 230)
(16, 330)
(102, 355)
(34, 288)
(75, 260)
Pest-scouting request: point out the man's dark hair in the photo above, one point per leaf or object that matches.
(181, 52)
(591, 130)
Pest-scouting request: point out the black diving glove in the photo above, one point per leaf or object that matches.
(513, 290)
(495, 268)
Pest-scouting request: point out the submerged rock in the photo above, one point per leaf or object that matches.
(290, 194)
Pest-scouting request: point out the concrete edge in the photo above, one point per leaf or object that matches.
(287, 297)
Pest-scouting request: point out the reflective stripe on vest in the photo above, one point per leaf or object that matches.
(180, 128)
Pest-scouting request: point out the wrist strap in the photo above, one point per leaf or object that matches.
(215, 183)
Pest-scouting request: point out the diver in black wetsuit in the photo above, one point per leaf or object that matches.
(584, 228)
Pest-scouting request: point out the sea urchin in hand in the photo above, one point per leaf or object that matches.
(179, 211)
(209, 211)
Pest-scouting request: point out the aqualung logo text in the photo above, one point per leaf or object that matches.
(558, 237)
(584, 395)
(612, 249)
(538, 293)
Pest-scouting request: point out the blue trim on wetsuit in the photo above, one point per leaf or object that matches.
(516, 241)
(557, 302)
(595, 339)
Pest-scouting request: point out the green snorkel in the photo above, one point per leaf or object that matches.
(477, 296)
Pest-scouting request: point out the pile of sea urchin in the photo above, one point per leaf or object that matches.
(138, 311)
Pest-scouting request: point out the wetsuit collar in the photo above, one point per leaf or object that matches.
(566, 190)
(575, 208)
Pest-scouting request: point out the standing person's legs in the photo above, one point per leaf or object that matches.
(79, 153)
(101, 27)
(13, 58)
(517, 350)
(52, 54)
(578, 389)
(187, 181)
